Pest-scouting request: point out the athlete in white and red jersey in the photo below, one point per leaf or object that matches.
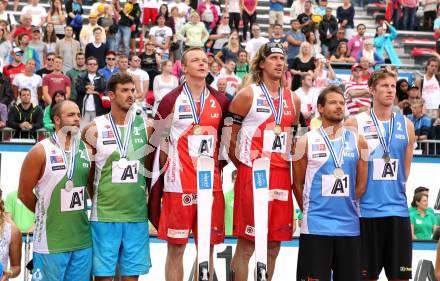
(189, 120)
(261, 134)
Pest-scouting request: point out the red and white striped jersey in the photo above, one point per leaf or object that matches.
(257, 137)
(353, 104)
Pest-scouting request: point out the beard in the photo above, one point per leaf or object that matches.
(73, 130)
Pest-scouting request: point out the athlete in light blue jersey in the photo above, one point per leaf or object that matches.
(330, 176)
(385, 225)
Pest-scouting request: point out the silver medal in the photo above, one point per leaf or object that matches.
(68, 186)
(338, 173)
(123, 163)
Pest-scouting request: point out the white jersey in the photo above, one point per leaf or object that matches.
(431, 92)
(309, 100)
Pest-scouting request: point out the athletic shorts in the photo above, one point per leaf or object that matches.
(123, 244)
(74, 265)
(179, 217)
(280, 205)
(276, 17)
(149, 14)
(319, 256)
(386, 243)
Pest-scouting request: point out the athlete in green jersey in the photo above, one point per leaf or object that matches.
(53, 183)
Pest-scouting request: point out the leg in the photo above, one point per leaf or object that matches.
(80, 265)
(50, 267)
(315, 256)
(174, 262)
(240, 260)
(412, 19)
(130, 278)
(126, 31)
(245, 25)
(253, 19)
(106, 238)
(273, 249)
(347, 258)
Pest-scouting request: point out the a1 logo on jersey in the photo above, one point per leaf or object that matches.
(128, 174)
(335, 187)
(385, 171)
(72, 200)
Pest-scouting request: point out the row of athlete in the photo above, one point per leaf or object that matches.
(58, 175)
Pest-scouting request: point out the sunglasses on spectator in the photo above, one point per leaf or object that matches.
(92, 63)
(50, 59)
(20, 54)
(111, 58)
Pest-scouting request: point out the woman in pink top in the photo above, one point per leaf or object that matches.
(409, 14)
(249, 15)
(208, 14)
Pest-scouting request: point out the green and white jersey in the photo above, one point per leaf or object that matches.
(119, 193)
(61, 217)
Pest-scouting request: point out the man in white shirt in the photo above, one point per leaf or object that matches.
(161, 35)
(37, 12)
(140, 77)
(256, 42)
(308, 96)
(430, 87)
(8, 17)
(28, 80)
(232, 80)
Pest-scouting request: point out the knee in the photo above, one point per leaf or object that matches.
(245, 249)
(273, 249)
(175, 251)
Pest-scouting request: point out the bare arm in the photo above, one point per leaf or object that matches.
(358, 93)
(46, 97)
(437, 262)
(410, 147)
(362, 167)
(31, 171)
(67, 92)
(89, 136)
(299, 169)
(14, 254)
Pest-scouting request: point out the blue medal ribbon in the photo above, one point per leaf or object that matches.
(196, 117)
(123, 147)
(276, 114)
(71, 163)
(340, 159)
(385, 143)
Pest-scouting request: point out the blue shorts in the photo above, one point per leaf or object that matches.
(68, 266)
(125, 244)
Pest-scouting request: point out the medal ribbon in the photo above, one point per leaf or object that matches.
(277, 115)
(123, 147)
(337, 160)
(385, 144)
(71, 163)
(192, 103)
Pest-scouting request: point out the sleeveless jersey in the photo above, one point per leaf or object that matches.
(61, 218)
(385, 193)
(119, 194)
(257, 137)
(330, 204)
(431, 92)
(184, 147)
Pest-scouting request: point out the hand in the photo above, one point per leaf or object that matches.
(24, 125)
(2, 124)
(329, 36)
(6, 276)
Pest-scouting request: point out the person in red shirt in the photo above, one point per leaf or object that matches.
(55, 81)
(26, 26)
(16, 66)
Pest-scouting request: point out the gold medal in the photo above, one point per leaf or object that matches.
(277, 130)
(197, 130)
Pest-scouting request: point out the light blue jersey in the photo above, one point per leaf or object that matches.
(385, 193)
(330, 204)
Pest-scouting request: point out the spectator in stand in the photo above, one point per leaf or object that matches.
(28, 52)
(409, 14)
(68, 48)
(74, 11)
(109, 23)
(356, 43)
(357, 94)
(231, 50)
(328, 28)
(423, 223)
(25, 117)
(208, 13)
(402, 87)
(150, 62)
(123, 64)
(278, 36)
(233, 9)
(10, 19)
(396, 13)
(48, 124)
(321, 8)
(176, 45)
(17, 212)
(55, 81)
(308, 96)
(78, 69)
(233, 81)
(429, 13)
(37, 12)
(182, 10)
(437, 31)
(5, 47)
(6, 93)
(37, 44)
(10, 244)
(303, 64)
(369, 53)
(28, 79)
(135, 27)
(163, 83)
(383, 41)
(160, 35)
(222, 84)
(193, 33)
(340, 37)
(430, 87)
(305, 19)
(90, 86)
(25, 27)
(150, 9)
(214, 71)
(316, 47)
(345, 16)
(342, 54)
(422, 123)
(413, 97)
(256, 42)
(110, 67)
(220, 35)
(50, 38)
(242, 66)
(323, 73)
(249, 16)
(140, 77)
(16, 66)
(297, 8)
(57, 17)
(87, 32)
(276, 14)
(366, 68)
(97, 48)
(424, 190)
(295, 38)
(49, 65)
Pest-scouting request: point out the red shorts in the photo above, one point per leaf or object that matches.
(280, 205)
(179, 217)
(149, 14)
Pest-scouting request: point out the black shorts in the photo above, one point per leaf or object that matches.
(320, 255)
(386, 243)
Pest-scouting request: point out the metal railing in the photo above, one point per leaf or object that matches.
(9, 135)
(427, 147)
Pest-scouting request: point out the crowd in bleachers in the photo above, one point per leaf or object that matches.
(70, 50)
